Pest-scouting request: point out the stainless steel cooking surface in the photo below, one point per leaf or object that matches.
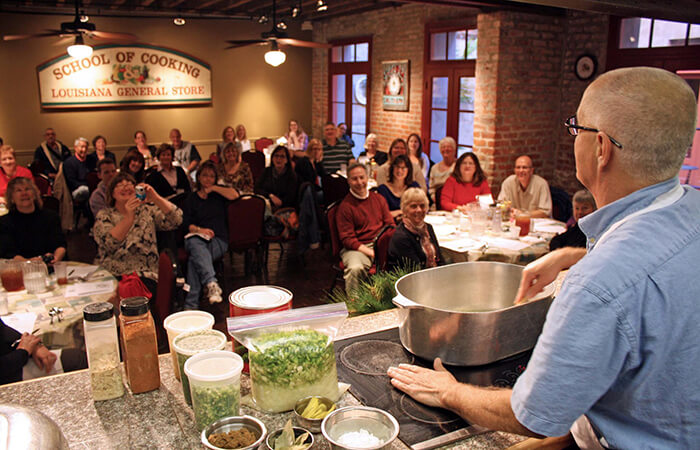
(464, 313)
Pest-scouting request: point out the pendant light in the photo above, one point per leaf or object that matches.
(79, 49)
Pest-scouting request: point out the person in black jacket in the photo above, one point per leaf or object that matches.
(279, 182)
(168, 180)
(51, 153)
(310, 167)
(15, 350)
(414, 240)
(584, 204)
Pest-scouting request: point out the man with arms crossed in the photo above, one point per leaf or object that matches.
(527, 191)
(618, 358)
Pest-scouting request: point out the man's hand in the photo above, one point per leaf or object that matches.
(543, 271)
(275, 200)
(44, 358)
(29, 343)
(424, 385)
(366, 251)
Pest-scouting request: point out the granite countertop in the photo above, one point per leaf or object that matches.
(161, 418)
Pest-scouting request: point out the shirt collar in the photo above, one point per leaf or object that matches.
(596, 223)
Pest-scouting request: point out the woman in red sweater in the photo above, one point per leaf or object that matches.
(466, 182)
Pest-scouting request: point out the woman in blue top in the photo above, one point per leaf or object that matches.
(400, 179)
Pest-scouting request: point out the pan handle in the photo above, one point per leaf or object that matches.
(403, 302)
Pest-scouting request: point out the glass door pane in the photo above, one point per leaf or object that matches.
(438, 114)
(465, 125)
(358, 125)
(338, 98)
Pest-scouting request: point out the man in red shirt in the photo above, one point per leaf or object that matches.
(361, 216)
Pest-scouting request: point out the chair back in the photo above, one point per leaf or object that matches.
(262, 143)
(92, 180)
(51, 203)
(37, 167)
(165, 293)
(245, 222)
(561, 204)
(381, 247)
(335, 188)
(438, 193)
(256, 161)
(331, 216)
(42, 182)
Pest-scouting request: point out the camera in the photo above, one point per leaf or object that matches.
(140, 193)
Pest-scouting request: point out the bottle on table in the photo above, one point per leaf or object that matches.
(139, 345)
(102, 345)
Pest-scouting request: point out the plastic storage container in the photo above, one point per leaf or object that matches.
(139, 346)
(215, 385)
(181, 322)
(191, 343)
(102, 345)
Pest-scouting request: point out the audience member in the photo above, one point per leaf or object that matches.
(467, 181)
(9, 169)
(186, 153)
(134, 164)
(400, 179)
(526, 191)
(233, 171)
(51, 153)
(15, 355)
(100, 144)
(106, 170)
(344, 136)
(75, 170)
(147, 151)
(415, 152)
(242, 137)
(278, 183)
(372, 150)
(309, 168)
(398, 147)
(361, 215)
(205, 218)
(125, 231)
(414, 240)
(228, 135)
(441, 171)
(297, 140)
(584, 204)
(335, 151)
(168, 180)
(28, 231)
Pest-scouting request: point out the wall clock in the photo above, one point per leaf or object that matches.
(585, 67)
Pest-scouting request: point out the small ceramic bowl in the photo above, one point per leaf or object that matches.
(234, 423)
(297, 432)
(313, 425)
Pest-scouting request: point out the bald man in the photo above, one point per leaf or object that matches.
(527, 191)
(618, 359)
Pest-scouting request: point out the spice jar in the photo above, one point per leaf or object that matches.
(139, 346)
(102, 346)
(191, 343)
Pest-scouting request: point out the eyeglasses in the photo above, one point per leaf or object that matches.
(574, 129)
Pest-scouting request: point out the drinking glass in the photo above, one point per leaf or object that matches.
(11, 275)
(35, 276)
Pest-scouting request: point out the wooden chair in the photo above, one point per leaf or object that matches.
(245, 226)
(262, 143)
(256, 161)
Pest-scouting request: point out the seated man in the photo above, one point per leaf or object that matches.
(106, 170)
(361, 216)
(584, 204)
(527, 191)
(75, 169)
(186, 153)
(51, 153)
(398, 147)
(335, 151)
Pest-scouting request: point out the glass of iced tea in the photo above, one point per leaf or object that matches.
(60, 269)
(523, 220)
(11, 275)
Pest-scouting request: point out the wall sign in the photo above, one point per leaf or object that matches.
(124, 75)
(395, 84)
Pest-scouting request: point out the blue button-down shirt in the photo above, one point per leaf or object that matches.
(621, 343)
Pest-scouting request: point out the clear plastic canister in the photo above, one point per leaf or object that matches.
(215, 385)
(181, 322)
(139, 346)
(102, 345)
(191, 343)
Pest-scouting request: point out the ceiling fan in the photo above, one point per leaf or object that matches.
(276, 38)
(75, 31)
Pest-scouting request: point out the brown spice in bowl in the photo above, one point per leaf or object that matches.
(239, 438)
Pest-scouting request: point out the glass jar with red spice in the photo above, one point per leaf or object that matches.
(139, 345)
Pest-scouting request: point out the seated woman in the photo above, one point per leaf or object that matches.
(227, 136)
(134, 164)
(372, 150)
(309, 168)
(400, 179)
(278, 182)
(415, 152)
(584, 204)
(28, 231)
(147, 151)
(99, 143)
(441, 171)
(297, 140)
(466, 182)
(125, 231)
(166, 179)
(205, 217)
(414, 240)
(9, 169)
(242, 137)
(233, 172)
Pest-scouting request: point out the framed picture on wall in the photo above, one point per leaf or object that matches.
(395, 84)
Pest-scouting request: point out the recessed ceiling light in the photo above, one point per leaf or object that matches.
(179, 21)
(263, 19)
(282, 25)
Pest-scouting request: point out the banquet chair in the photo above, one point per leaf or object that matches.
(562, 209)
(51, 203)
(92, 180)
(165, 293)
(256, 161)
(245, 227)
(42, 183)
(334, 187)
(262, 143)
(438, 193)
(381, 247)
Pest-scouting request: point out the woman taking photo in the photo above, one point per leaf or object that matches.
(166, 179)
(400, 179)
(467, 181)
(28, 231)
(99, 143)
(278, 182)
(297, 140)
(442, 170)
(414, 240)
(233, 172)
(9, 169)
(205, 220)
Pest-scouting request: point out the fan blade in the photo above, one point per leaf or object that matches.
(64, 41)
(112, 36)
(17, 37)
(243, 43)
(298, 43)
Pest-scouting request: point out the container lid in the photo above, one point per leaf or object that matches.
(134, 306)
(260, 297)
(97, 312)
(193, 342)
(182, 321)
(218, 365)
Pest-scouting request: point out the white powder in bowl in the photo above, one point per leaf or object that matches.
(359, 439)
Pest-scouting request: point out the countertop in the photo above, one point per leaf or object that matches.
(161, 418)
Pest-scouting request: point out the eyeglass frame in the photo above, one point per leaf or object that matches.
(572, 128)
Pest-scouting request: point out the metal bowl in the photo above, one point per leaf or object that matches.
(355, 418)
(235, 423)
(297, 432)
(313, 425)
(22, 427)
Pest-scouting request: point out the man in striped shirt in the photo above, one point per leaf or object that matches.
(335, 151)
